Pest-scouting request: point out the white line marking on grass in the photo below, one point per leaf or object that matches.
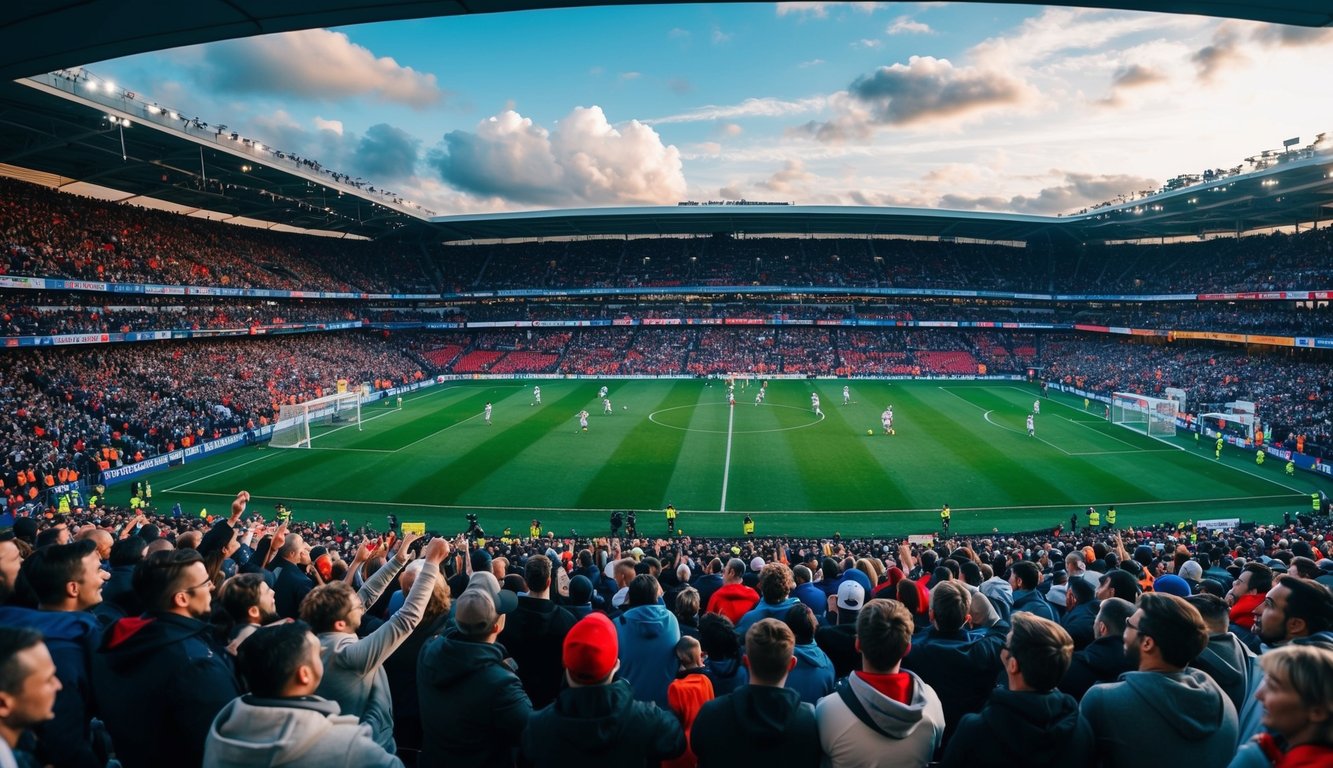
(1116, 453)
(987, 417)
(726, 463)
(353, 450)
(436, 432)
(219, 472)
(1086, 425)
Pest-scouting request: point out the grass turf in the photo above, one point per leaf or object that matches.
(960, 443)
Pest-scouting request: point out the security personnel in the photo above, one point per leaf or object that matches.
(1110, 517)
(748, 526)
(535, 530)
(1217, 452)
(631, 523)
(1316, 502)
(147, 492)
(96, 498)
(671, 518)
(1094, 518)
(616, 521)
(136, 503)
(946, 515)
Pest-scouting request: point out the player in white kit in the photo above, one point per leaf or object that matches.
(1032, 426)
(488, 413)
(606, 406)
(846, 395)
(537, 395)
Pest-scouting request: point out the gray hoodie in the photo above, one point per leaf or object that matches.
(252, 732)
(1236, 670)
(1184, 716)
(903, 734)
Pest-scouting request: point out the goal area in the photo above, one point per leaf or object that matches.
(1152, 416)
(294, 423)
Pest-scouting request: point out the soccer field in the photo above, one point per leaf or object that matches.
(795, 472)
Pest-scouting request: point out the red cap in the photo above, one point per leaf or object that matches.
(591, 649)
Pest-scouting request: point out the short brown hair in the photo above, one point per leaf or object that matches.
(158, 577)
(949, 603)
(239, 594)
(884, 632)
(1174, 625)
(769, 646)
(537, 573)
(326, 605)
(775, 582)
(1042, 648)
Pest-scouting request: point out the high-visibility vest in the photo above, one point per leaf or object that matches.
(749, 527)
(1094, 518)
(1110, 516)
(1315, 502)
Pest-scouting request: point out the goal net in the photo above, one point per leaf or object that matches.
(1152, 416)
(294, 423)
(1241, 423)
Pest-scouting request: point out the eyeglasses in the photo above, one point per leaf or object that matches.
(1135, 627)
(208, 584)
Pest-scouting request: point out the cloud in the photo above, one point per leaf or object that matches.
(731, 129)
(866, 43)
(386, 152)
(1074, 191)
(335, 126)
(761, 107)
(1224, 50)
(1055, 31)
(905, 25)
(314, 64)
(1135, 75)
(790, 178)
(584, 160)
(821, 10)
(627, 76)
(719, 37)
(810, 63)
(677, 33)
(1283, 36)
(680, 85)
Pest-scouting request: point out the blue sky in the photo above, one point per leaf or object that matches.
(959, 105)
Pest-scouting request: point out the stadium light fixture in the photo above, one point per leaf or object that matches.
(110, 87)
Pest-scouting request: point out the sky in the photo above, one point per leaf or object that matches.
(967, 106)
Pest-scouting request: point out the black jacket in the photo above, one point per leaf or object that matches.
(159, 681)
(960, 667)
(534, 635)
(1102, 662)
(290, 587)
(473, 708)
(601, 725)
(1022, 728)
(756, 725)
(1079, 623)
(838, 642)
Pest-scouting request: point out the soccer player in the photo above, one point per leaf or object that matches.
(1291, 468)
(1086, 403)
(488, 413)
(400, 402)
(1032, 426)
(1217, 452)
(602, 392)
(1036, 406)
(606, 406)
(537, 395)
(759, 397)
(814, 401)
(583, 420)
(886, 419)
(731, 397)
(846, 395)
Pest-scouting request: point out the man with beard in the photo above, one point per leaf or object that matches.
(159, 678)
(1295, 609)
(1180, 713)
(247, 603)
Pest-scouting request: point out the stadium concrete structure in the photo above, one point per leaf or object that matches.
(52, 130)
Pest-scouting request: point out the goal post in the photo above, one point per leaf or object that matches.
(1152, 416)
(1244, 423)
(293, 426)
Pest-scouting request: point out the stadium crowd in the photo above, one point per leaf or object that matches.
(175, 640)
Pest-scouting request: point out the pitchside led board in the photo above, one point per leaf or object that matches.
(418, 529)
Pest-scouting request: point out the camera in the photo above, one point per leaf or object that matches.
(474, 530)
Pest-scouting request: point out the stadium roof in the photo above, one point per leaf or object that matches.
(57, 131)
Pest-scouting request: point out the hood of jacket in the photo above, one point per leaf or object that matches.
(1189, 702)
(1031, 727)
(736, 598)
(812, 655)
(59, 626)
(254, 731)
(647, 621)
(132, 641)
(449, 658)
(593, 716)
(764, 712)
(1225, 658)
(894, 718)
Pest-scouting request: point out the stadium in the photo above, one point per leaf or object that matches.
(530, 385)
(960, 318)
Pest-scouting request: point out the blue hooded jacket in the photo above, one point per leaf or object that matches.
(813, 676)
(648, 635)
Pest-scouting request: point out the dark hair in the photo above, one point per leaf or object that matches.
(1082, 589)
(1174, 625)
(642, 591)
(13, 641)
(537, 573)
(768, 649)
(50, 568)
(775, 582)
(46, 537)
(1027, 572)
(326, 605)
(802, 622)
(158, 577)
(1124, 586)
(269, 658)
(1042, 648)
(717, 635)
(949, 604)
(1212, 608)
(238, 595)
(1261, 577)
(884, 633)
(127, 551)
(1113, 613)
(1308, 600)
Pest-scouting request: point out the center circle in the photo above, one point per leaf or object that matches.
(653, 418)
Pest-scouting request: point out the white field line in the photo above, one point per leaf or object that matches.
(726, 463)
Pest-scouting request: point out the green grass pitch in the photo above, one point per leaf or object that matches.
(677, 441)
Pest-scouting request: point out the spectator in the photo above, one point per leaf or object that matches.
(1232, 666)
(881, 715)
(733, 599)
(1247, 593)
(10, 562)
(1294, 608)
(67, 581)
(1297, 699)
(28, 689)
(473, 707)
(401, 666)
(1029, 720)
(710, 582)
(535, 632)
(775, 586)
(292, 584)
(807, 592)
(1181, 712)
(1104, 660)
(1024, 576)
(687, 694)
(245, 603)
(1081, 607)
(648, 633)
(1118, 583)
(354, 674)
(282, 722)
(596, 719)
(812, 677)
(838, 641)
(761, 723)
(119, 599)
(687, 612)
(164, 668)
(722, 651)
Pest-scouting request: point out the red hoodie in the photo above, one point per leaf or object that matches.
(1242, 613)
(733, 601)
